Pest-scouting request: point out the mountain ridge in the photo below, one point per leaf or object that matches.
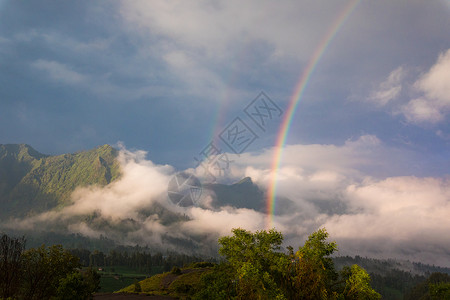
(32, 182)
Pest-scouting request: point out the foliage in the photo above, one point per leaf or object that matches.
(186, 283)
(358, 284)
(255, 268)
(314, 270)
(42, 273)
(137, 287)
(218, 284)
(391, 278)
(440, 291)
(10, 265)
(43, 268)
(78, 285)
(32, 182)
(436, 286)
(257, 263)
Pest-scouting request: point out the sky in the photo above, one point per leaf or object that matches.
(367, 151)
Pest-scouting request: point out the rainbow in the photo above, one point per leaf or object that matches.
(293, 102)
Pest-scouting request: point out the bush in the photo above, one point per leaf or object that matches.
(176, 271)
(137, 287)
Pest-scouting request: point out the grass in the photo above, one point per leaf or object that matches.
(175, 285)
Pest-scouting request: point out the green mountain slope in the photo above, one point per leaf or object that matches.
(31, 182)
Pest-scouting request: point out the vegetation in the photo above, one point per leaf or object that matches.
(254, 267)
(435, 287)
(42, 273)
(31, 182)
(123, 266)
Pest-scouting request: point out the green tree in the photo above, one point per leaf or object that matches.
(220, 284)
(314, 272)
(436, 286)
(43, 268)
(73, 287)
(257, 262)
(91, 279)
(358, 285)
(440, 291)
(255, 268)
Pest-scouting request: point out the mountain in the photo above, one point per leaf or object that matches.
(32, 182)
(242, 194)
(245, 194)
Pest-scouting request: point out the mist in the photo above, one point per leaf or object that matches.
(379, 214)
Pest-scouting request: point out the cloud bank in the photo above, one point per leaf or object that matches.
(375, 214)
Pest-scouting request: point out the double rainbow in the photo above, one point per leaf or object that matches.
(293, 102)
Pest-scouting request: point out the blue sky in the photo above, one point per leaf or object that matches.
(367, 154)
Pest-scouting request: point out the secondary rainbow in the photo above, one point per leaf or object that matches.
(293, 102)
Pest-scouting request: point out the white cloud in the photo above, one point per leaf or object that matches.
(434, 104)
(435, 84)
(389, 89)
(368, 214)
(422, 110)
(408, 214)
(430, 103)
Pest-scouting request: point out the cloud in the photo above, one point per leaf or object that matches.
(422, 110)
(407, 214)
(59, 72)
(389, 89)
(368, 213)
(221, 47)
(435, 83)
(434, 105)
(215, 27)
(431, 100)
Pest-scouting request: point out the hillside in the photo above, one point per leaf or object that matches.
(32, 182)
(177, 283)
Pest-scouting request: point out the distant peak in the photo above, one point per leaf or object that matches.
(105, 146)
(245, 180)
(21, 149)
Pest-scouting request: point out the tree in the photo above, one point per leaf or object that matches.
(358, 285)
(257, 262)
(255, 268)
(436, 286)
(78, 285)
(220, 284)
(10, 265)
(314, 271)
(440, 290)
(43, 268)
